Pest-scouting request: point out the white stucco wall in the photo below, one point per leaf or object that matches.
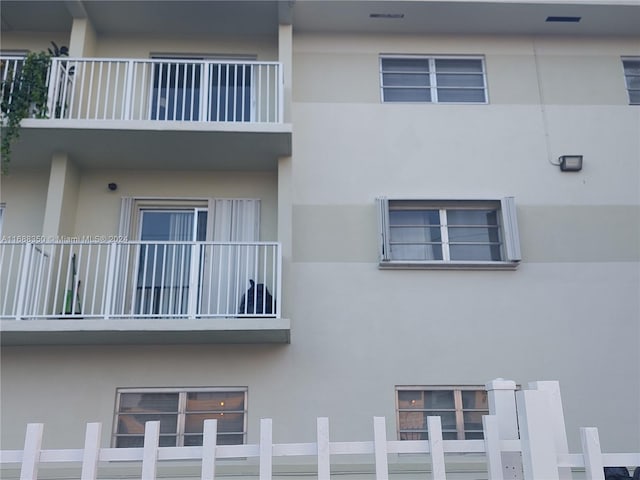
(570, 312)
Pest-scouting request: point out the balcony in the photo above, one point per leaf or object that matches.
(99, 292)
(146, 110)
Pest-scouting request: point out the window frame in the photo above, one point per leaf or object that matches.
(433, 84)
(459, 409)
(507, 222)
(182, 412)
(626, 80)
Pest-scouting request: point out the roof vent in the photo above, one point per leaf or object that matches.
(386, 15)
(563, 19)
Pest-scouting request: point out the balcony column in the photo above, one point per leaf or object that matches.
(62, 196)
(285, 57)
(83, 38)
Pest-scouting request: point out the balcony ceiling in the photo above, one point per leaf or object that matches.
(597, 17)
(160, 145)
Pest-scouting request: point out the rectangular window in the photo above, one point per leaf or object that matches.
(459, 408)
(448, 233)
(181, 413)
(433, 79)
(632, 78)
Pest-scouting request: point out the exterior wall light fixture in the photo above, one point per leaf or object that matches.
(570, 163)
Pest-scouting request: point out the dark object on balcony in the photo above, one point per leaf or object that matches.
(256, 301)
(616, 473)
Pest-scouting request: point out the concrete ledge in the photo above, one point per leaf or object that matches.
(144, 331)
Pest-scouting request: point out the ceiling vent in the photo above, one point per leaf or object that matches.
(563, 19)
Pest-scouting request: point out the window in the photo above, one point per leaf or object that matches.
(181, 413)
(433, 79)
(448, 233)
(459, 408)
(632, 77)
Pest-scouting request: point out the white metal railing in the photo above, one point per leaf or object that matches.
(538, 450)
(162, 89)
(139, 279)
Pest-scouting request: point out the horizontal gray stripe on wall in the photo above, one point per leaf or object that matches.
(549, 233)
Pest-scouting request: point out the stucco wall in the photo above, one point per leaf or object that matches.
(569, 312)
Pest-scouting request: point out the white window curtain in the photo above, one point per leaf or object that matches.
(233, 261)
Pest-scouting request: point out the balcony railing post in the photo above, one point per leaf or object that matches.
(205, 88)
(110, 282)
(280, 93)
(52, 92)
(194, 280)
(279, 278)
(128, 90)
(23, 282)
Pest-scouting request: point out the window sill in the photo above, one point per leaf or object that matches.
(397, 265)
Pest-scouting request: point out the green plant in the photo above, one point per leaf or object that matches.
(24, 94)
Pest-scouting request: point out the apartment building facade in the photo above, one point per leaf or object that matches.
(241, 210)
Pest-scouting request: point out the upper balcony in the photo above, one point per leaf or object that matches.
(104, 291)
(141, 113)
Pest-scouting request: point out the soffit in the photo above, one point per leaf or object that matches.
(256, 17)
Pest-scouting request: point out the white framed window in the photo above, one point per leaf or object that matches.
(460, 409)
(181, 412)
(437, 79)
(632, 78)
(448, 233)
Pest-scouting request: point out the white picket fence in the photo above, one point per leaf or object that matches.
(529, 445)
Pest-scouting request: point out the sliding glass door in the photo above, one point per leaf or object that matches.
(167, 276)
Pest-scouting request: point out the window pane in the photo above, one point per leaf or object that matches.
(414, 436)
(422, 252)
(489, 253)
(473, 420)
(406, 95)
(405, 80)
(453, 80)
(215, 401)
(405, 65)
(138, 441)
(234, 439)
(631, 67)
(134, 423)
(412, 420)
(149, 402)
(473, 435)
(634, 97)
(415, 234)
(474, 234)
(470, 95)
(439, 399)
(414, 217)
(472, 217)
(227, 422)
(633, 82)
(475, 399)
(454, 65)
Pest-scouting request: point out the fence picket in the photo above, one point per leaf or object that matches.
(91, 453)
(556, 416)
(594, 469)
(31, 454)
(209, 444)
(539, 458)
(150, 449)
(380, 448)
(266, 449)
(492, 447)
(436, 448)
(324, 460)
